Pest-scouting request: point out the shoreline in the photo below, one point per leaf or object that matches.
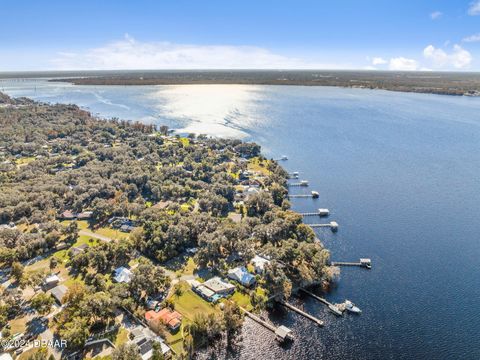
(102, 82)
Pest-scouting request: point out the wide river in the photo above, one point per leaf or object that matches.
(400, 173)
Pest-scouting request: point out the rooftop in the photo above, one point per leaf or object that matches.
(218, 285)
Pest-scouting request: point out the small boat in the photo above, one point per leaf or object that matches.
(284, 157)
(349, 306)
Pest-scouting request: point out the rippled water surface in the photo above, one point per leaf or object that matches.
(399, 172)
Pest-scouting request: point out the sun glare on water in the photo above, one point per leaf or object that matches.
(219, 110)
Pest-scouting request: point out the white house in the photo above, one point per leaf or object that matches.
(123, 275)
(259, 263)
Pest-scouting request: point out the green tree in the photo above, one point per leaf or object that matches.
(42, 303)
(53, 263)
(126, 352)
(232, 319)
(17, 271)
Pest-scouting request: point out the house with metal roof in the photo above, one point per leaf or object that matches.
(241, 275)
(58, 293)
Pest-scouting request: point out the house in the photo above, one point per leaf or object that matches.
(172, 319)
(219, 286)
(74, 251)
(191, 251)
(123, 275)
(58, 293)
(203, 291)
(61, 245)
(206, 293)
(50, 281)
(85, 215)
(241, 275)
(126, 228)
(68, 215)
(145, 339)
(259, 263)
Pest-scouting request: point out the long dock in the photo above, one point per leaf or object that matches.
(313, 194)
(303, 313)
(319, 212)
(332, 225)
(333, 308)
(303, 183)
(366, 263)
(282, 333)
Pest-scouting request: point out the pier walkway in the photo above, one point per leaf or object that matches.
(333, 308)
(282, 333)
(301, 312)
(366, 263)
(332, 225)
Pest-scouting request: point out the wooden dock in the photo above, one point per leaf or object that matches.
(302, 183)
(332, 225)
(366, 263)
(319, 212)
(313, 195)
(303, 313)
(332, 307)
(282, 333)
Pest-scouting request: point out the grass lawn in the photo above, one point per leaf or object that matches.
(18, 325)
(85, 239)
(190, 304)
(242, 300)
(175, 341)
(82, 224)
(188, 268)
(111, 233)
(255, 164)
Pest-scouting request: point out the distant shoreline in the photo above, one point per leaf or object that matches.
(457, 84)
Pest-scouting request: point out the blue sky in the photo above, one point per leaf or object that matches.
(389, 34)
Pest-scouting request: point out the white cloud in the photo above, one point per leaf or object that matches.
(436, 15)
(378, 61)
(402, 64)
(472, 38)
(129, 53)
(474, 8)
(459, 58)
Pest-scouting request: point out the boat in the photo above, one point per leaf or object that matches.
(284, 157)
(349, 306)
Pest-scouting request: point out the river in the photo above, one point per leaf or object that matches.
(400, 173)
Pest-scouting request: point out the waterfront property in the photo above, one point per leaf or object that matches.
(212, 290)
(172, 319)
(241, 275)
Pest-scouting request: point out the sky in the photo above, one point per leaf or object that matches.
(247, 34)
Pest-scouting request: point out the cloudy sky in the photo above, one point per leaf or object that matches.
(262, 34)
